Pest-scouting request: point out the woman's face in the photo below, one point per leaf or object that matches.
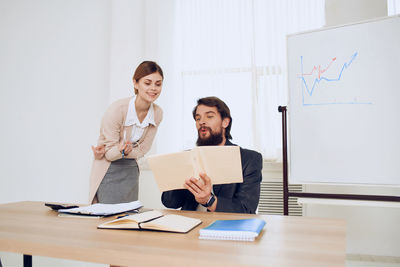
(149, 87)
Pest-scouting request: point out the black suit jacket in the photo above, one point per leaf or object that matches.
(238, 197)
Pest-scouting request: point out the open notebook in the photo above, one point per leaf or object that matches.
(153, 220)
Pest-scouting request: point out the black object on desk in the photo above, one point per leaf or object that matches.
(60, 206)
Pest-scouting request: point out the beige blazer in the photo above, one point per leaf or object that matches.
(112, 133)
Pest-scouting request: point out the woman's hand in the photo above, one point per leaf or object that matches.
(99, 151)
(126, 148)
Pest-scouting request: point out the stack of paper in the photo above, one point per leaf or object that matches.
(100, 209)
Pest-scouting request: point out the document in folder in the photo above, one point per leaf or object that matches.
(221, 163)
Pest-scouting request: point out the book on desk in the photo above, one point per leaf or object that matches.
(153, 220)
(240, 230)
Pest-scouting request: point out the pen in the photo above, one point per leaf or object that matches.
(128, 213)
(124, 140)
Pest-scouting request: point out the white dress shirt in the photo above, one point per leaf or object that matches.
(132, 119)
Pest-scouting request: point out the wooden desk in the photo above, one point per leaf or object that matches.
(31, 228)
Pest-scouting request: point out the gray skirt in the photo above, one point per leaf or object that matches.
(121, 182)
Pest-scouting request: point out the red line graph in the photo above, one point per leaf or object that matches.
(320, 71)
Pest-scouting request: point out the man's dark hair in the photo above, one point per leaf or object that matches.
(222, 108)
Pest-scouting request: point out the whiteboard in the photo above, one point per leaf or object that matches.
(344, 104)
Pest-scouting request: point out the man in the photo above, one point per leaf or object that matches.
(213, 122)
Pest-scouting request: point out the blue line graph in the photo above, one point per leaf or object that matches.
(308, 91)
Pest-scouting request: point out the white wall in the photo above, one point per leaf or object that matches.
(54, 76)
(127, 40)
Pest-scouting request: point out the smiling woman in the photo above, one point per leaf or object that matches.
(127, 132)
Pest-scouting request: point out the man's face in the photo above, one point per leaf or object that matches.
(210, 126)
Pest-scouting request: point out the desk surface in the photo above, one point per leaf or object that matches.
(33, 229)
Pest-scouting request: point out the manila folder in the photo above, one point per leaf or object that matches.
(221, 163)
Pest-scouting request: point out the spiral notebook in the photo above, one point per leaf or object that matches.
(241, 230)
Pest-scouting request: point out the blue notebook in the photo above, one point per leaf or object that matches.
(242, 230)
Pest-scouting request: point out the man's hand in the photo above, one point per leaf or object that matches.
(201, 189)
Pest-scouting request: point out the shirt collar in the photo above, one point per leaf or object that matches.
(131, 116)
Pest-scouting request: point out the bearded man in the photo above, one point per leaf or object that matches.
(213, 123)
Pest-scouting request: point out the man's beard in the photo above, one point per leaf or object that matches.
(214, 139)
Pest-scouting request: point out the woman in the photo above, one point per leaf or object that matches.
(126, 134)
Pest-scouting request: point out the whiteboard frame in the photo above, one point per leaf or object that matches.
(290, 101)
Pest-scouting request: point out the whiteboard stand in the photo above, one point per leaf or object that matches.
(287, 194)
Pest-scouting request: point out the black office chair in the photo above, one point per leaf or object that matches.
(1, 265)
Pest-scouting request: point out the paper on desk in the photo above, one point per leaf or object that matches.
(221, 163)
(100, 209)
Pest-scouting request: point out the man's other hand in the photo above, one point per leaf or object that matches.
(200, 188)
